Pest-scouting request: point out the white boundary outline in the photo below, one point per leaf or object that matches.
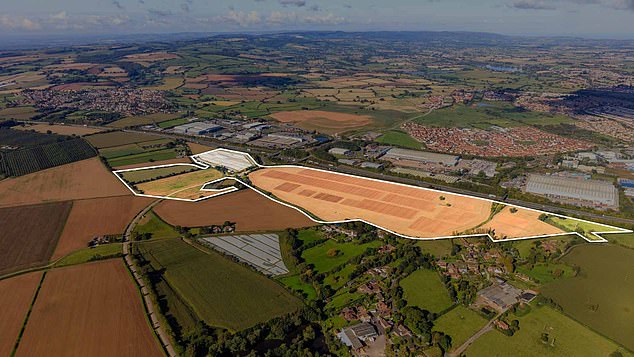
(201, 165)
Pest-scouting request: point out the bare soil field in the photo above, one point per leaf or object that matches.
(151, 57)
(198, 148)
(118, 138)
(100, 216)
(88, 310)
(522, 223)
(406, 210)
(250, 210)
(16, 295)
(29, 234)
(60, 129)
(78, 180)
(328, 122)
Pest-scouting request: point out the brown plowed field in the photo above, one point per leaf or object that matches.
(250, 210)
(406, 210)
(88, 310)
(523, 223)
(78, 180)
(16, 295)
(29, 233)
(99, 216)
(328, 122)
(61, 129)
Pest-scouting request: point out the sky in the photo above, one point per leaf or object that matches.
(583, 18)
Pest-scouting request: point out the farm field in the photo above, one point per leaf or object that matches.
(61, 129)
(251, 211)
(18, 113)
(460, 323)
(26, 161)
(319, 258)
(89, 310)
(625, 240)
(241, 296)
(133, 148)
(603, 290)
(521, 223)
(153, 174)
(154, 225)
(142, 120)
(399, 138)
(77, 180)
(96, 217)
(424, 289)
(406, 210)
(16, 295)
(178, 186)
(148, 157)
(566, 337)
(85, 255)
(438, 248)
(323, 121)
(118, 138)
(24, 245)
(180, 160)
(571, 225)
(198, 148)
(25, 139)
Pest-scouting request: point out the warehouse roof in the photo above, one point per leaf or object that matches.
(601, 192)
(422, 156)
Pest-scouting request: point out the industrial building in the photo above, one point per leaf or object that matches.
(339, 151)
(574, 190)
(197, 128)
(354, 336)
(397, 154)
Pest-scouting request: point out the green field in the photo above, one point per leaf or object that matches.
(624, 239)
(544, 273)
(318, 255)
(173, 123)
(221, 292)
(88, 254)
(460, 323)
(573, 225)
(151, 223)
(484, 115)
(424, 289)
(142, 120)
(399, 138)
(150, 156)
(294, 283)
(438, 248)
(150, 174)
(602, 294)
(118, 138)
(566, 337)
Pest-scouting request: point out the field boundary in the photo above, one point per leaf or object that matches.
(600, 239)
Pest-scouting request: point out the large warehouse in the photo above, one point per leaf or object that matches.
(600, 193)
(397, 154)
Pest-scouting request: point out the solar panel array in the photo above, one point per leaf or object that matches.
(262, 251)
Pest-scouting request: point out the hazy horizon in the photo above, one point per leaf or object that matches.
(609, 19)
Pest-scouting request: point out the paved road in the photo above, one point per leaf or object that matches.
(160, 331)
